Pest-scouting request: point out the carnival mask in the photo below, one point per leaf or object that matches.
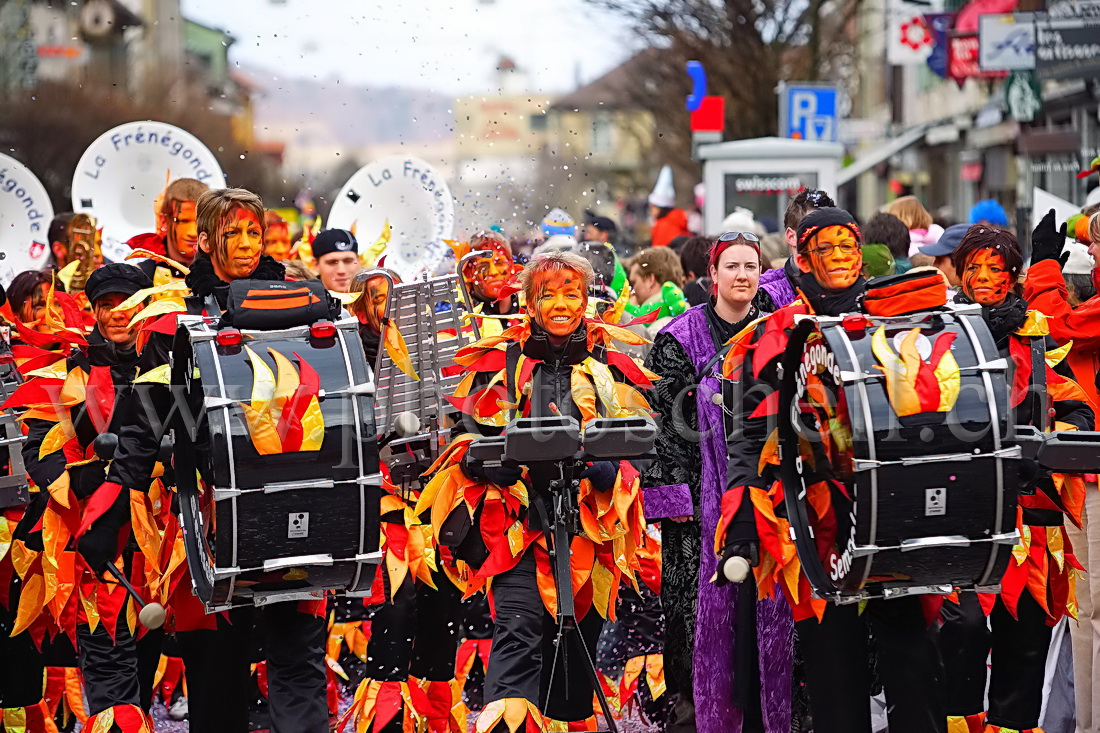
(985, 277)
(834, 257)
(561, 299)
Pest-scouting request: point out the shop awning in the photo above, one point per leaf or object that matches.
(886, 150)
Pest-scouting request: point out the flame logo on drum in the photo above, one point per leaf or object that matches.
(284, 415)
(915, 384)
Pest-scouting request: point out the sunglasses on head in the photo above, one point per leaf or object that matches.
(730, 236)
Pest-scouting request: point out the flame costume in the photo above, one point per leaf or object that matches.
(496, 531)
(833, 638)
(1038, 587)
(68, 404)
(216, 648)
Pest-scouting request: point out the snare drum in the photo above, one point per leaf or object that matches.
(910, 414)
(285, 445)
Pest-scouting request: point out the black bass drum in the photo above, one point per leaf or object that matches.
(14, 488)
(898, 472)
(276, 461)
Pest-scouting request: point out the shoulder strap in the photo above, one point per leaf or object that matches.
(1039, 383)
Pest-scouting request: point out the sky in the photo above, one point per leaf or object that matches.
(447, 46)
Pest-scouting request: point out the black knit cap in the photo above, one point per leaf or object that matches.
(818, 219)
(334, 240)
(116, 277)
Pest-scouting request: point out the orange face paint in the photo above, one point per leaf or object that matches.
(835, 258)
(183, 233)
(242, 244)
(560, 301)
(488, 275)
(377, 292)
(277, 242)
(985, 278)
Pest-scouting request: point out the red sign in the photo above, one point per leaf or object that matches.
(711, 115)
(59, 52)
(962, 59)
(971, 172)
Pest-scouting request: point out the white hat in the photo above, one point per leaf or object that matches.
(740, 220)
(664, 194)
(1080, 261)
(1093, 197)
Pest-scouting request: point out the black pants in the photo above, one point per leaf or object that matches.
(1019, 647)
(218, 671)
(523, 649)
(835, 653)
(416, 634)
(118, 671)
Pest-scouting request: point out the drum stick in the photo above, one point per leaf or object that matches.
(736, 569)
(151, 615)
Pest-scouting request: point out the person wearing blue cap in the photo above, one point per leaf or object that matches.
(940, 252)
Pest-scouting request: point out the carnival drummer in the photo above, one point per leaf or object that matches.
(117, 667)
(176, 236)
(560, 356)
(833, 638)
(216, 648)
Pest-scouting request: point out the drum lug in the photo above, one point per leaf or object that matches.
(371, 558)
(1008, 538)
(216, 403)
(263, 600)
(865, 550)
(223, 494)
(321, 483)
(374, 479)
(225, 573)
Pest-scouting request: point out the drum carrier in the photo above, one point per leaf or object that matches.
(286, 524)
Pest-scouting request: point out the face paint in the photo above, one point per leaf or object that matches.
(277, 242)
(115, 325)
(488, 275)
(377, 291)
(985, 278)
(183, 233)
(834, 258)
(560, 301)
(242, 243)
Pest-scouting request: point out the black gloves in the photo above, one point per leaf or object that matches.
(602, 475)
(747, 549)
(1048, 243)
(506, 474)
(99, 545)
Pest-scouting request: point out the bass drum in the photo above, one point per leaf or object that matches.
(278, 469)
(898, 472)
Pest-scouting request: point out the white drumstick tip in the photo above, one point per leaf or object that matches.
(152, 616)
(735, 569)
(406, 424)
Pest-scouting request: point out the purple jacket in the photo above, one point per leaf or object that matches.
(778, 286)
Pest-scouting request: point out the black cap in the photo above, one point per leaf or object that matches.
(601, 223)
(334, 240)
(116, 277)
(819, 219)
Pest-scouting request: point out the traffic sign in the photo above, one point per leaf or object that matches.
(808, 111)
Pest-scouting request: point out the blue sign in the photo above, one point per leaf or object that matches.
(808, 112)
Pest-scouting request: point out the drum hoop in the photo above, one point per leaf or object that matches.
(872, 454)
(359, 450)
(994, 421)
(793, 482)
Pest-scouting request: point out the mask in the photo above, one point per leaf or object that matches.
(834, 258)
(985, 278)
(560, 301)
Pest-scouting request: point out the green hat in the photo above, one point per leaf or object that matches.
(877, 260)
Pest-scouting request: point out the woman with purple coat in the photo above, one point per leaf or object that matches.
(728, 656)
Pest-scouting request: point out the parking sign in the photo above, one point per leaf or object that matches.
(808, 112)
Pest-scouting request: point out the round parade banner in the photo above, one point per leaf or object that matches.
(25, 214)
(415, 200)
(121, 174)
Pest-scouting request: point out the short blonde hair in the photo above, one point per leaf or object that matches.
(554, 260)
(1094, 228)
(910, 210)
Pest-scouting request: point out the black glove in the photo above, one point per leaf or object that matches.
(748, 549)
(506, 474)
(99, 545)
(84, 480)
(602, 475)
(1048, 243)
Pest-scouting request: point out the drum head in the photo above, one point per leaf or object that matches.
(25, 215)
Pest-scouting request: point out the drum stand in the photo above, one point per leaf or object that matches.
(563, 525)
